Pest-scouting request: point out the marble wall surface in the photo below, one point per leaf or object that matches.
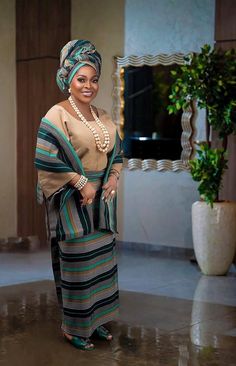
(168, 26)
(155, 207)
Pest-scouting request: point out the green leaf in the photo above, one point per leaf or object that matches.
(178, 106)
(207, 168)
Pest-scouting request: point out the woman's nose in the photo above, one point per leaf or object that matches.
(87, 84)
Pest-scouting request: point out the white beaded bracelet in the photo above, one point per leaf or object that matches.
(81, 182)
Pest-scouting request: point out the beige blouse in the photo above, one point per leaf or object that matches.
(83, 142)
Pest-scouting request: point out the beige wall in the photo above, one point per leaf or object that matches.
(101, 22)
(7, 119)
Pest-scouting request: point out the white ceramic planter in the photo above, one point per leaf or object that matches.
(214, 236)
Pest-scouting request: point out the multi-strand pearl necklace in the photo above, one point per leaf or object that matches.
(103, 147)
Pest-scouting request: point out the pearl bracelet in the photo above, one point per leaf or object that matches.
(81, 182)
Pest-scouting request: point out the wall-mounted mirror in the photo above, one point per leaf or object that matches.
(153, 139)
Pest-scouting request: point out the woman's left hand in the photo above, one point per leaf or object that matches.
(110, 188)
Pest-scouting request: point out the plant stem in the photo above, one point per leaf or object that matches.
(208, 130)
(225, 143)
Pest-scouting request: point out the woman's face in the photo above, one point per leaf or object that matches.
(84, 85)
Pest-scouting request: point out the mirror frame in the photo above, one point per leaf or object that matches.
(187, 120)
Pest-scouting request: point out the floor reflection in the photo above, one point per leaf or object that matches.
(153, 330)
(214, 326)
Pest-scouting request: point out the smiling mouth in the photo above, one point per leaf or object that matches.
(87, 94)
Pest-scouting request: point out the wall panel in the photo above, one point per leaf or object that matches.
(225, 29)
(225, 36)
(42, 28)
(8, 217)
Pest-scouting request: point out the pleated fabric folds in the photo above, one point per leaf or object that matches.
(85, 271)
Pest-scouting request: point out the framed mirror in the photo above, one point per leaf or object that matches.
(152, 138)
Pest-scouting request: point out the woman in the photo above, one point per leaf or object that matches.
(78, 157)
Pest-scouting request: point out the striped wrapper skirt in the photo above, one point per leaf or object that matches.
(85, 272)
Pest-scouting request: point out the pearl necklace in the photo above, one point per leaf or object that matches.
(103, 147)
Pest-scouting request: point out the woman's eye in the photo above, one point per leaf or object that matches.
(82, 80)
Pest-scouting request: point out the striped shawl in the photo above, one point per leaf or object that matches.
(66, 218)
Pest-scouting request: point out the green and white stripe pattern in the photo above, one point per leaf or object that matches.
(68, 219)
(85, 272)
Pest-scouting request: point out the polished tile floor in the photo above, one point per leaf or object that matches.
(170, 314)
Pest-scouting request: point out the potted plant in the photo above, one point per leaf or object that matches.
(209, 78)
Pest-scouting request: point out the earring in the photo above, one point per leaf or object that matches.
(69, 90)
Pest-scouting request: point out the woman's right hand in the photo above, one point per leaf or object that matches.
(88, 193)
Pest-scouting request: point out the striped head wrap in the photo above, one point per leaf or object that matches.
(74, 55)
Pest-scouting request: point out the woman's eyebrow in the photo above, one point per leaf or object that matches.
(84, 76)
